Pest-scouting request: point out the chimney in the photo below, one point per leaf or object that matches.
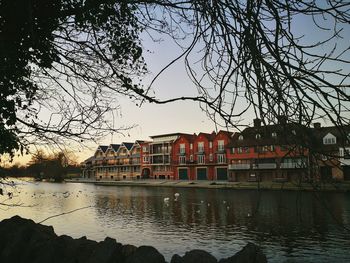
(282, 119)
(257, 123)
(317, 125)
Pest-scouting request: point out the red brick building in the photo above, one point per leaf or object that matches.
(268, 153)
(202, 156)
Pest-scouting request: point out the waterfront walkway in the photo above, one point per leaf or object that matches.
(288, 186)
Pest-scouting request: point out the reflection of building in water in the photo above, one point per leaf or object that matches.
(285, 217)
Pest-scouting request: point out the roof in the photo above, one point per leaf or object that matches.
(209, 136)
(115, 147)
(168, 134)
(90, 159)
(103, 148)
(341, 133)
(286, 134)
(128, 145)
(188, 137)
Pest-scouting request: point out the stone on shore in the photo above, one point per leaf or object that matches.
(194, 256)
(251, 253)
(24, 241)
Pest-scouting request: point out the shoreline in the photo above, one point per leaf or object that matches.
(269, 186)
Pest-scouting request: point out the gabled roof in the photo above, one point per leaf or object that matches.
(342, 135)
(128, 145)
(103, 148)
(209, 136)
(188, 137)
(115, 147)
(228, 133)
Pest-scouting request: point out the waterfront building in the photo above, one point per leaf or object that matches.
(279, 152)
(202, 156)
(331, 152)
(157, 156)
(114, 162)
(269, 153)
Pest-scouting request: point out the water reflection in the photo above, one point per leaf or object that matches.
(302, 226)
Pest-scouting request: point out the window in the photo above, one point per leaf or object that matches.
(345, 153)
(191, 158)
(201, 147)
(145, 159)
(330, 140)
(211, 157)
(221, 145)
(274, 135)
(239, 150)
(191, 146)
(221, 158)
(201, 159)
(182, 159)
(182, 148)
(240, 137)
(233, 150)
(257, 136)
(210, 145)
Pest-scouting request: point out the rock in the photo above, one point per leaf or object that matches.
(194, 256)
(176, 259)
(251, 253)
(145, 254)
(24, 241)
(127, 250)
(107, 251)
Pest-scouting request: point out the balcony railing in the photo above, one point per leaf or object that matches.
(265, 166)
(220, 149)
(292, 165)
(239, 166)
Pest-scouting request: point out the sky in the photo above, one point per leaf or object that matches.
(181, 116)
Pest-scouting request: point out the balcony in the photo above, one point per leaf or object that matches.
(220, 149)
(239, 166)
(264, 166)
(200, 150)
(182, 152)
(292, 165)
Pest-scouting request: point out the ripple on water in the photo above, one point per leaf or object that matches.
(284, 229)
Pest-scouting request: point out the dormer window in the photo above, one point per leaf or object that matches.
(329, 139)
(257, 136)
(274, 134)
(240, 138)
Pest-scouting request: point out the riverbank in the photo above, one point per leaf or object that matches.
(286, 186)
(23, 240)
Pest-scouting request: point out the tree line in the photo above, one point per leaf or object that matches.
(44, 166)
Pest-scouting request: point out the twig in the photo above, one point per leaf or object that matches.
(65, 213)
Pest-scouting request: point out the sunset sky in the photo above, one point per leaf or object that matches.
(182, 116)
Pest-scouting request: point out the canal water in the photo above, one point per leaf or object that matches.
(294, 226)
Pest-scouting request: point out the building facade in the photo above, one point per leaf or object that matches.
(280, 152)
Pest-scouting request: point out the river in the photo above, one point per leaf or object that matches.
(298, 226)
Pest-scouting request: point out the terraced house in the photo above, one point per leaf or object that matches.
(202, 156)
(280, 152)
(269, 153)
(115, 162)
